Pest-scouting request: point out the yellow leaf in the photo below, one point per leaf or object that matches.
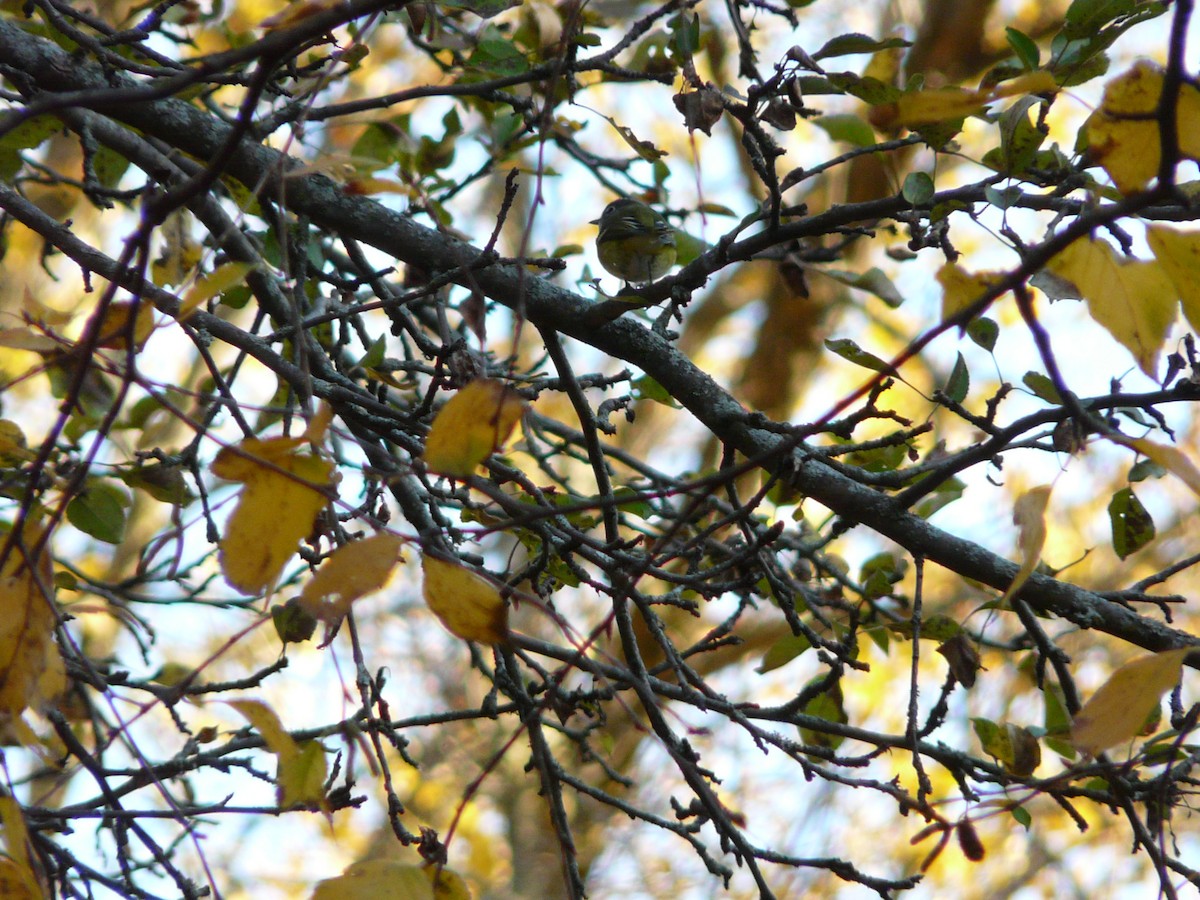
(242, 462)
(938, 105)
(300, 775)
(1038, 82)
(319, 424)
(1118, 710)
(180, 254)
(447, 885)
(468, 604)
(300, 779)
(370, 185)
(113, 325)
(267, 723)
(296, 12)
(17, 877)
(351, 571)
(17, 882)
(14, 449)
(31, 668)
(1029, 515)
(28, 339)
(275, 511)
(943, 104)
(1132, 299)
(961, 289)
(1178, 252)
(373, 879)
(1172, 459)
(215, 283)
(472, 425)
(1123, 135)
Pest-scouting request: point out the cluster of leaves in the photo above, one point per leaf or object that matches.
(647, 589)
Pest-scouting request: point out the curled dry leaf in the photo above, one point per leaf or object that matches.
(1029, 515)
(468, 604)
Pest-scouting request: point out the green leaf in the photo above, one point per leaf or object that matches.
(687, 247)
(1087, 17)
(630, 501)
(109, 166)
(1024, 47)
(1061, 746)
(880, 637)
(375, 353)
(918, 188)
(879, 573)
(236, 298)
(301, 776)
(886, 458)
(1057, 720)
(685, 36)
(29, 134)
(1132, 526)
(868, 89)
(1003, 199)
(646, 388)
(1042, 387)
(161, 481)
(99, 510)
(377, 147)
(826, 706)
(497, 56)
(1021, 814)
(938, 627)
(293, 623)
(983, 331)
(783, 651)
(938, 134)
(485, 9)
(1146, 468)
(849, 128)
(1078, 67)
(813, 85)
(992, 738)
(959, 382)
(1020, 138)
(873, 281)
(848, 44)
(850, 351)
(945, 494)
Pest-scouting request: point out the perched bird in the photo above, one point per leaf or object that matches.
(635, 243)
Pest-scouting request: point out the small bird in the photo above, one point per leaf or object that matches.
(635, 243)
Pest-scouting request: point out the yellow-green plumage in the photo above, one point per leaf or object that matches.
(635, 243)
